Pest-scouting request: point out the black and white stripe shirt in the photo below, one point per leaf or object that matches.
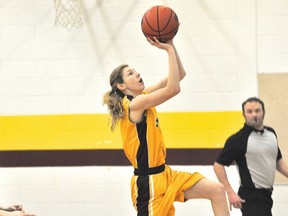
(255, 154)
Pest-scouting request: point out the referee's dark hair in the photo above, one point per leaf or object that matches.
(253, 99)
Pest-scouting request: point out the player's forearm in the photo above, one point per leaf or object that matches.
(4, 209)
(182, 72)
(173, 84)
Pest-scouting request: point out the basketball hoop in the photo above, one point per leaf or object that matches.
(68, 13)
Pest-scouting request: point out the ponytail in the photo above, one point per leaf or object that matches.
(113, 98)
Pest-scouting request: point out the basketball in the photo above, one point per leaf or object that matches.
(160, 22)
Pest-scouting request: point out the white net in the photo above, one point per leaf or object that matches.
(68, 13)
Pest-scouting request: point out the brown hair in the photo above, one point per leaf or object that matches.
(113, 98)
(253, 99)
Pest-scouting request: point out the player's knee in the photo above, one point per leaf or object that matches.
(219, 191)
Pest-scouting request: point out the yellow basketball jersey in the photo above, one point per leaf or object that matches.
(142, 142)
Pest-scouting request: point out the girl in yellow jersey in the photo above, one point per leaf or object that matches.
(154, 185)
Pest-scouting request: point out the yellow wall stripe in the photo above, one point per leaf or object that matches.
(91, 131)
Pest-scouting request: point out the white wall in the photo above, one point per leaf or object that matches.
(49, 70)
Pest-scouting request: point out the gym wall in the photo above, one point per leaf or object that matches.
(53, 80)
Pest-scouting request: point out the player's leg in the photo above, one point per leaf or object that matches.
(213, 191)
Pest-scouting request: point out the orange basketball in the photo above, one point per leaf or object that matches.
(160, 22)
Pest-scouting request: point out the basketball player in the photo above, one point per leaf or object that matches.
(13, 210)
(154, 185)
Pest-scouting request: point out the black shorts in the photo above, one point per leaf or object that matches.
(257, 201)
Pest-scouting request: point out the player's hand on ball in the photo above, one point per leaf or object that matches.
(157, 43)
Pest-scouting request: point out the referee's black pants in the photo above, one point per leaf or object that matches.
(258, 202)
